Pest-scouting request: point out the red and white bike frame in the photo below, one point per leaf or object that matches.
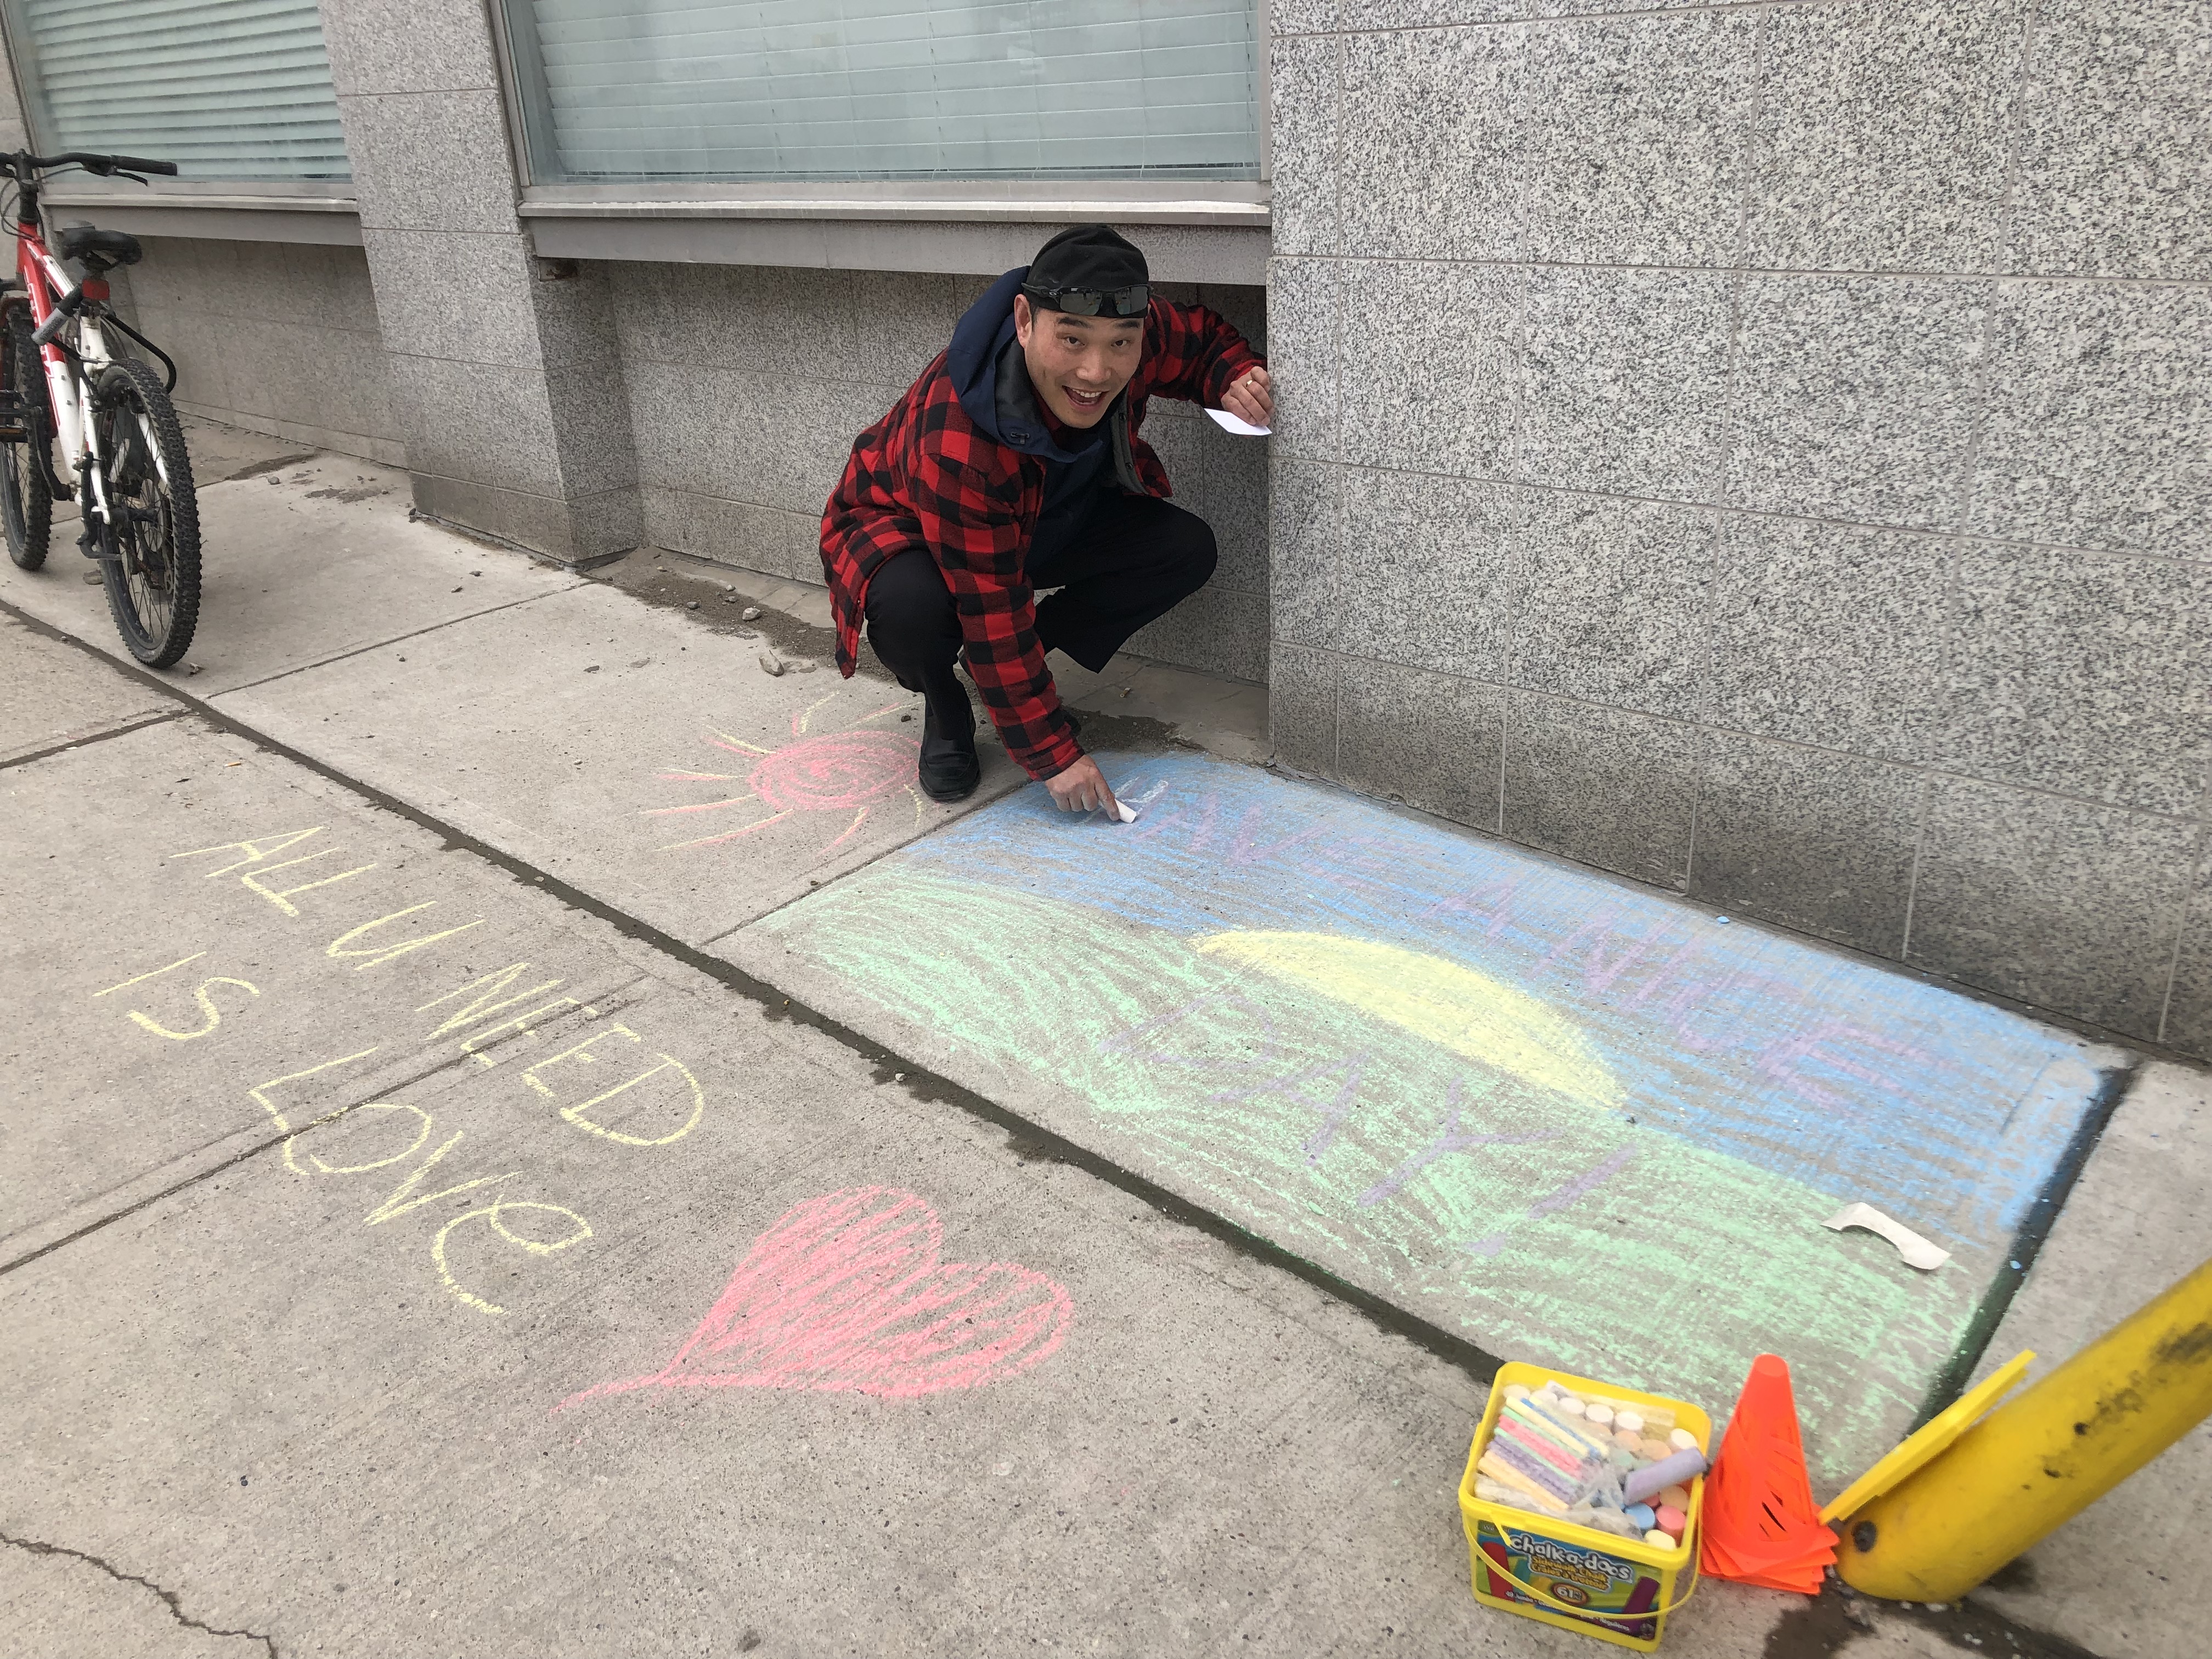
(76, 436)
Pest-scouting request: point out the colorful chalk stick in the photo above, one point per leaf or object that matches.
(1664, 1540)
(1670, 1519)
(1676, 1497)
(1629, 1422)
(1647, 1482)
(1645, 1517)
(1683, 1440)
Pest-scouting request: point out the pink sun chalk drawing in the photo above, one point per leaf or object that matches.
(845, 772)
(846, 1293)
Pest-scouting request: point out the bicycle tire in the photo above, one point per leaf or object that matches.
(153, 592)
(27, 507)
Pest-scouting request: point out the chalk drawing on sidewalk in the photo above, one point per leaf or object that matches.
(1579, 1120)
(845, 775)
(846, 1293)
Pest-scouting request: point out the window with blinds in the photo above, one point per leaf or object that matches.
(858, 89)
(225, 89)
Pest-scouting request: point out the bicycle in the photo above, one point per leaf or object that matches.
(64, 386)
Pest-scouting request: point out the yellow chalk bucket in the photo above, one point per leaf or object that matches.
(1618, 1590)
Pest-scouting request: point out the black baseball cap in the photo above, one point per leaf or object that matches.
(1089, 271)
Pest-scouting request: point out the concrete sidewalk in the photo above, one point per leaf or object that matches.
(1239, 1178)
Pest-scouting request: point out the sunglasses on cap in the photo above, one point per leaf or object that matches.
(1129, 302)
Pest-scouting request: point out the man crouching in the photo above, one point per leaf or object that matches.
(1013, 466)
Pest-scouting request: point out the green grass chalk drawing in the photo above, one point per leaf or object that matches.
(1312, 1120)
(1578, 1122)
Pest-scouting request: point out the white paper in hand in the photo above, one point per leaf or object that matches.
(1229, 423)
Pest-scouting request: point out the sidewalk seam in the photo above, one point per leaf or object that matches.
(379, 645)
(51, 749)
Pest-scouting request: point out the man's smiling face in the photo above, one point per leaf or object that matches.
(1077, 364)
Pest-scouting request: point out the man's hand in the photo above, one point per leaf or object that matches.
(1250, 400)
(1081, 788)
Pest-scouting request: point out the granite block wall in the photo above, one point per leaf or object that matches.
(277, 338)
(1766, 451)
(747, 385)
(503, 366)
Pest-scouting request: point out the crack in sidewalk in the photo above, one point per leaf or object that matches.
(170, 1599)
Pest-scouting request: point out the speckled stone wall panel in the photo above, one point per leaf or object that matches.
(1430, 740)
(2114, 170)
(1830, 635)
(1463, 547)
(1602, 785)
(2055, 902)
(1309, 558)
(1439, 165)
(1624, 386)
(1881, 138)
(2081, 675)
(1433, 399)
(2099, 427)
(270, 335)
(1302, 708)
(2189, 1008)
(1854, 397)
(1217, 630)
(1820, 841)
(1637, 130)
(1305, 76)
(1613, 602)
(1304, 302)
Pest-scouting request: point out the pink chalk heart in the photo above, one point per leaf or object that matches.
(846, 1293)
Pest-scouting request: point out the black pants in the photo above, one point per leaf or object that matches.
(1126, 561)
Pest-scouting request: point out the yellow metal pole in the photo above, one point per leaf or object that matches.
(2044, 1456)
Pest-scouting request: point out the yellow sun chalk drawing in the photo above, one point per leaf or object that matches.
(1453, 1007)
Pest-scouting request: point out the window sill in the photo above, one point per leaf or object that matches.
(218, 213)
(1216, 234)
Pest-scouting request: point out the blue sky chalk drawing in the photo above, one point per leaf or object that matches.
(1581, 1123)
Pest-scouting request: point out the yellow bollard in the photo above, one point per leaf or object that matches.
(2043, 1456)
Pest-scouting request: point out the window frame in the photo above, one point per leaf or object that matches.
(892, 198)
(239, 192)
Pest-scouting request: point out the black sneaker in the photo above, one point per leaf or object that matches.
(949, 768)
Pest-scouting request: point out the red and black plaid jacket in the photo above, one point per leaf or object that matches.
(927, 476)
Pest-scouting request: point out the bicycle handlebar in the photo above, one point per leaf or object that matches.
(102, 165)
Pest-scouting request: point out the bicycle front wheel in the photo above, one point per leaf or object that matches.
(154, 516)
(27, 507)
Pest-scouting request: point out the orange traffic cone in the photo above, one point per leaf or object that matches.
(1761, 1526)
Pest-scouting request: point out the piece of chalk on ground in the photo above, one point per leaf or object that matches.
(1668, 1518)
(1598, 1416)
(1676, 1498)
(1683, 1440)
(1645, 1515)
(1664, 1540)
(1630, 1422)
(1125, 812)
